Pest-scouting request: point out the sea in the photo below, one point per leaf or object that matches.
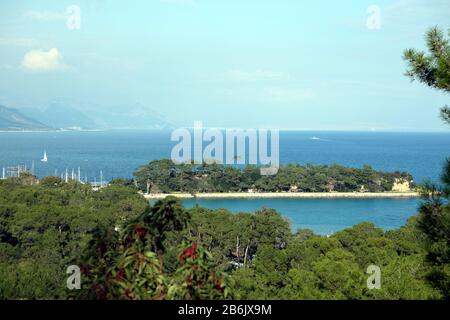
(105, 155)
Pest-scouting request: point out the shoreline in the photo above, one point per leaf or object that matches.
(284, 195)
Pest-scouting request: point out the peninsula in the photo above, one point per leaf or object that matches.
(162, 177)
(284, 195)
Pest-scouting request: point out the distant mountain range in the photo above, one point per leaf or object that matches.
(135, 116)
(63, 116)
(13, 120)
(60, 116)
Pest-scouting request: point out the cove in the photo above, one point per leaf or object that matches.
(324, 216)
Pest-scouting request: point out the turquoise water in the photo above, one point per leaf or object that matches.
(324, 216)
(119, 153)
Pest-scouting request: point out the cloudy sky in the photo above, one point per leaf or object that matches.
(322, 65)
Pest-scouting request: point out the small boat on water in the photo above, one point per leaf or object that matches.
(44, 158)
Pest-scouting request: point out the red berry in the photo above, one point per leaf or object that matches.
(140, 231)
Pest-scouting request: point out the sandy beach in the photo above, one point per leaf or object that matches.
(279, 195)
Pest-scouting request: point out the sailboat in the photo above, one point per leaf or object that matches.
(44, 159)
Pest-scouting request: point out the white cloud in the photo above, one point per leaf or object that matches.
(45, 15)
(258, 75)
(44, 61)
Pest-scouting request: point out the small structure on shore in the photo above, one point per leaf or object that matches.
(401, 185)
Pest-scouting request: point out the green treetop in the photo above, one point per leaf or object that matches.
(432, 69)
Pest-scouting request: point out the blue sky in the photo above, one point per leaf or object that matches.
(234, 63)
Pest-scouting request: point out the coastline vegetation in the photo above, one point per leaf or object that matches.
(129, 249)
(164, 176)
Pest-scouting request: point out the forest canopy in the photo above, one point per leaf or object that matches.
(129, 249)
(164, 176)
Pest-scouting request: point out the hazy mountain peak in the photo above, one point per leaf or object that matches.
(13, 120)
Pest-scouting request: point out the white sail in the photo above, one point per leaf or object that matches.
(44, 159)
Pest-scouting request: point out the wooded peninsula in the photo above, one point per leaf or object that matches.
(166, 177)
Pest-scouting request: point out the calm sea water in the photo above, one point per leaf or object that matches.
(119, 153)
(324, 216)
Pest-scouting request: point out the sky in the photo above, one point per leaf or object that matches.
(287, 64)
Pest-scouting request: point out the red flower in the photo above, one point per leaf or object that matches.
(218, 286)
(120, 275)
(140, 231)
(190, 252)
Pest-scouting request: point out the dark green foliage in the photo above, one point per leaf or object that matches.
(165, 176)
(51, 181)
(128, 249)
(45, 228)
(123, 182)
(306, 266)
(237, 237)
(335, 268)
(434, 221)
(434, 218)
(165, 215)
(368, 244)
(432, 69)
(408, 240)
(404, 278)
(128, 262)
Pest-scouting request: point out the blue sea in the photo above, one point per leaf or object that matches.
(119, 153)
(324, 216)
